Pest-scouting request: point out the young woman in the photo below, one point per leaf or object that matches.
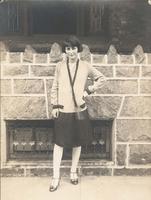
(72, 126)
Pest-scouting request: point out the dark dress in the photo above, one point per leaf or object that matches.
(70, 131)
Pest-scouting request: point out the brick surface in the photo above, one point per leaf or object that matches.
(29, 86)
(127, 71)
(140, 154)
(85, 54)
(41, 58)
(3, 56)
(12, 172)
(103, 107)
(6, 86)
(28, 57)
(146, 71)
(119, 87)
(134, 130)
(15, 70)
(41, 70)
(107, 71)
(49, 86)
(136, 107)
(96, 171)
(132, 172)
(112, 55)
(15, 57)
(121, 154)
(145, 86)
(126, 59)
(40, 172)
(23, 107)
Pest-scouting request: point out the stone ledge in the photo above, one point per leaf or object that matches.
(132, 172)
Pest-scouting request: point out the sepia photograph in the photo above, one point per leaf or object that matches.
(75, 104)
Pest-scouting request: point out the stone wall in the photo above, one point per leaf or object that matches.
(26, 80)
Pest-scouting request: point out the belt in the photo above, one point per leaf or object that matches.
(61, 106)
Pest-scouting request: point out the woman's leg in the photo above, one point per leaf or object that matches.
(76, 152)
(57, 156)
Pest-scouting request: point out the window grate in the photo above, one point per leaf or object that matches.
(33, 139)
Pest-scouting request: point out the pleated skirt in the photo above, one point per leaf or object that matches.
(72, 131)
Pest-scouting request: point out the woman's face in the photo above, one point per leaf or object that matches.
(72, 53)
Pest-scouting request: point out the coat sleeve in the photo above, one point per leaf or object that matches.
(98, 79)
(55, 87)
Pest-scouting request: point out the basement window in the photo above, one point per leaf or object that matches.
(33, 140)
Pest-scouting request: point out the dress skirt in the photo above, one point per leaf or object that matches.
(72, 131)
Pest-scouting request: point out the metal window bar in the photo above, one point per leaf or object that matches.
(32, 139)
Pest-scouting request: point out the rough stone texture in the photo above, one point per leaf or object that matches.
(85, 54)
(119, 87)
(136, 107)
(41, 172)
(5, 86)
(127, 71)
(14, 57)
(49, 86)
(3, 47)
(133, 130)
(12, 172)
(41, 70)
(107, 71)
(49, 106)
(146, 71)
(41, 58)
(28, 54)
(103, 107)
(29, 86)
(121, 154)
(55, 53)
(139, 54)
(132, 172)
(149, 58)
(3, 56)
(112, 55)
(145, 86)
(15, 70)
(23, 107)
(126, 59)
(96, 171)
(97, 58)
(140, 154)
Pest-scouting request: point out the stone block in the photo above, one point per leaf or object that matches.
(126, 59)
(119, 87)
(6, 86)
(103, 107)
(107, 71)
(96, 171)
(42, 70)
(49, 106)
(121, 154)
(97, 58)
(15, 57)
(40, 58)
(40, 172)
(49, 86)
(12, 172)
(149, 58)
(146, 71)
(140, 154)
(132, 172)
(145, 86)
(127, 71)
(28, 54)
(112, 55)
(85, 54)
(27, 86)
(56, 53)
(136, 107)
(139, 54)
(129, 130)
(3, 56)
(15, 70)
(23, 107)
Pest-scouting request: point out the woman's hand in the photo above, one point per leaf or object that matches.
(55, 113)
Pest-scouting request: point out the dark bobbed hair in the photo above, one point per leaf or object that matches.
(72, 41)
